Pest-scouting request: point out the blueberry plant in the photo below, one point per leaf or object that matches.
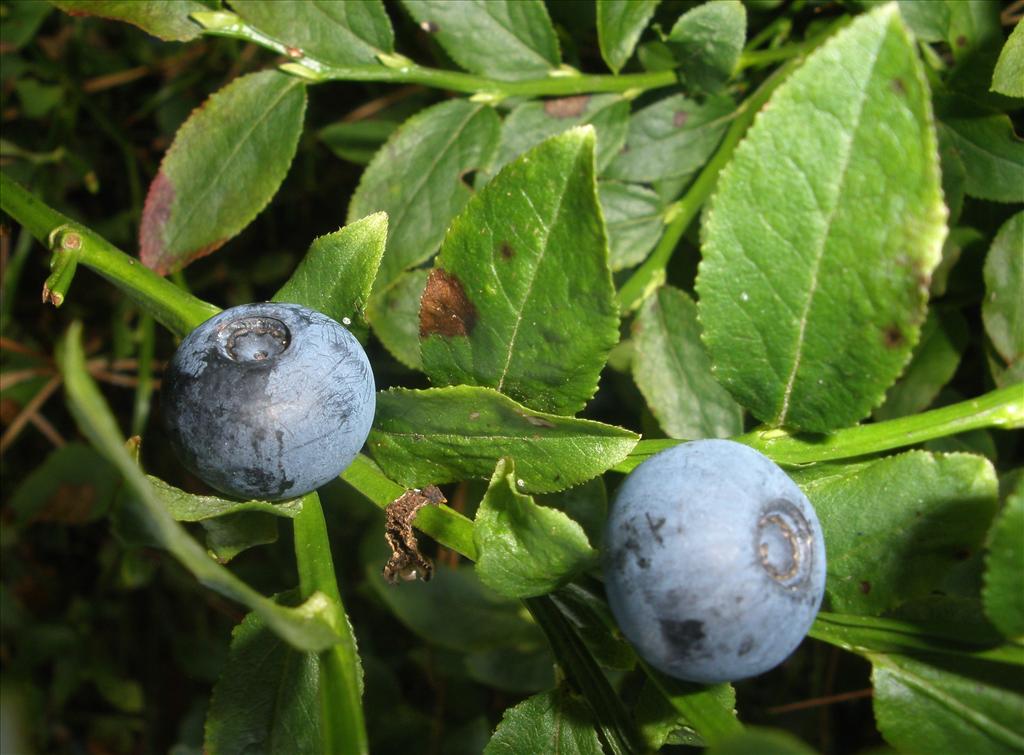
(768, 254)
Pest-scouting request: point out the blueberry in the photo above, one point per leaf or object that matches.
(268, 400)
(714, 562)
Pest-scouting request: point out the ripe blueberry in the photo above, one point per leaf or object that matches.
(714, 562)
(268, 400)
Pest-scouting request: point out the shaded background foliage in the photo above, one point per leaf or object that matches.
(109, 645)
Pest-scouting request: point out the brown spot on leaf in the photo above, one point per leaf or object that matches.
(444, 308)
(70, 504)
(961, 41)
(536, 421)
(293, 52)
(567, 107)
(680, 118)
(898, 86)
(893, 337)
(506, 251)
(865, 587)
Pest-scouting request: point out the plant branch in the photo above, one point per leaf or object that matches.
(397, 69)
(72, 243)
(1000, 409)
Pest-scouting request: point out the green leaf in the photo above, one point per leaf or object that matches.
(394, 313)
(922, 707)
(417, 178)
(555, 723)
(307, 627)
(338, 34)
(525, 550)
(889, 542)
(167, 19)
(522, 299)
(503, 39)
(267, 696)
(231, 526)
(671, 139)
(226, 163)
(449, 434)
(21, 22)
(954, 181)
(619, 26)
(336, 275)
(1003, 307)
(929, 21)
(587, 613)
(1008, 78)
(817, 252)
(634, 217)
(707, 42)
(1003, 593)
(586, 504)
(935, 359)
(661, 722)
(73, 485)
(511, 670)
(673, 371)
(189, 507)
(532, 122)
(992, 154)
(227, 536)
(357, 141)
(761, 741)
(486, 620)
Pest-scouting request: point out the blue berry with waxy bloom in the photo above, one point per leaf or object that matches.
(268, 400)
(714, 562)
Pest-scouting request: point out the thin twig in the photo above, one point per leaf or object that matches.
(842, 697)
(26, 414)
(11, 379)
(43, 425)
(6, 344)
(371, 108)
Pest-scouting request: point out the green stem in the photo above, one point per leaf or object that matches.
(342, 728)
(397, 69)
(651, 273)
(179, 311)
(1001, 409)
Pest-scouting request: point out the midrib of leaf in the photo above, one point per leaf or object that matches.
(403, 210)
(820, 252)
(169, 243)
(508, 32)
(679, 364)
(533, 274)
(344, 26)
(541, 440)
(978, 719)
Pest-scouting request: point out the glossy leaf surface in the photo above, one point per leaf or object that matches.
(336, 275)
(552, 722)
(823, 233)
(447, 434)
(394, 313)
(1008, 77)
(619, 26)
(1003, 307)
(335, 33)
(505, 39)
(933, 708)
(635, 218)
(672, 138)
(522, 299)
(267, 696)
(1004, 578)
(992, 153)
(226, 163)
(672, 370)
(707, 42)
(416, 178)
(524, 549)
(167, 20)
(888, 542)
